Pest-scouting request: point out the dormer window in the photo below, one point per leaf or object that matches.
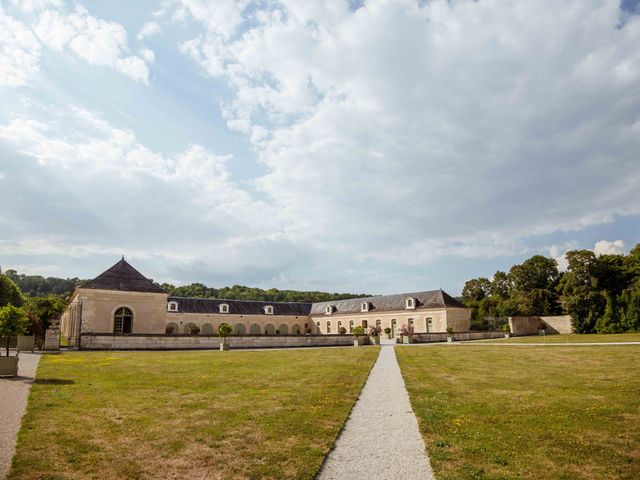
(224, 308)
(172, 306)
(364, 307)
(268, 310)
(328, 310)
(410, 303)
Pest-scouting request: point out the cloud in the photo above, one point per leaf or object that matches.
(149, 29)
(92, 39)
(19, 52)
(465, 124)
(605, 247)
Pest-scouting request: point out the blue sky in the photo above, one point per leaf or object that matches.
(368, 147)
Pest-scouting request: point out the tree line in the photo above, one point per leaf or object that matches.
(39, 286)
(601, 293)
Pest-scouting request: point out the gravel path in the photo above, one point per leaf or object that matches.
(13, 401)
(380, 440)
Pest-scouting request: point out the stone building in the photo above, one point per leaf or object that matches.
(123, 301)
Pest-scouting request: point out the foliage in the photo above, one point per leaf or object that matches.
(450, 331)
(43, 312)
(387, 330)
(224, 330)
(194, 330)
(406, 330)
(342, 331)
(13, 322)
(10, 293)
(357, 331)
(375, 331)
(506, 328)
(170, 329)
(602, 294)
(38, 286)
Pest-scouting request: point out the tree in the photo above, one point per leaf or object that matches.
(476, 289)
(611, 319)
(13, 322)
(42, 311)
(500, 285)
(538, 272)
(10, 293)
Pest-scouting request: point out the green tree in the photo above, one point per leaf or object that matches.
(611, 319)
(475, 290)
(10, 293)
(42, 312)
(13, 322)
(500, 285)
(538, 272)
(580, 295)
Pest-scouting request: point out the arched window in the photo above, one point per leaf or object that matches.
(254, 329)
(240, 329)
(329, 310)
(429, 325)
(268, 310)
(122, 320)
(410, 303)
(172, 306)
(171, 328)
(364, 307)
(328, 327)
(224, 308)
(350, 326)
(207, 329)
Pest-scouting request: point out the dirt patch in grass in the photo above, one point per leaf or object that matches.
(197, 415)
(535, 413)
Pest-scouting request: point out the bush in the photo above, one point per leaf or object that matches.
(506, 328)
(375, 331)
(387, 330)
(194, 330)
(406, 330)
(224, 330)
(342, 330)
(450, 330)
(170, 329)
(13, 322)
(357, 331)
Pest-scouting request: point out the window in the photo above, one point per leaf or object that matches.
(268, 310)
(318, 326)
(410, 303)
(328, 310)
(364, 307)
(429, 325)
(351, 326)
(172, 306)
(224, 308)
(364, 324)
(411, 322)
(122, 320)
(328, 327)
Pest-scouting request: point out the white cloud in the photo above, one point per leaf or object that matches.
(464, 124)
(605, 247)
(19, 52)
(149, 29)
(147, 55)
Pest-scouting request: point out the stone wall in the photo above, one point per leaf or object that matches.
(531, 325)
(100, 341)
(458, 337)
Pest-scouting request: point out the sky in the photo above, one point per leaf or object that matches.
(354, 146)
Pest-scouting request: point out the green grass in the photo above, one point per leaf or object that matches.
(138, 415)
(534, 412)
(573, 338)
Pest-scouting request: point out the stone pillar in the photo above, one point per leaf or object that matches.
(52, 339)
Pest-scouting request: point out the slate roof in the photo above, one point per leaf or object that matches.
(239, 307)
(388, 303)
(123, 277)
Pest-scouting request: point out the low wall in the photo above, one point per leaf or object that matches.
(530, 325)
(108, 341)
(458, 336)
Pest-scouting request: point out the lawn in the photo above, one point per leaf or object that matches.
(200, 415)
(533, 412)
(573, 338)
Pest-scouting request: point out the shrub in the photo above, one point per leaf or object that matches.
(342, 330)
(170, 329)
(406, 330)
(450, 330)
(387, 330)
(224, 330)
(13, 322)
(506, 328)
(194, 330)
(307, 331)
(375, 331)
(358, 331)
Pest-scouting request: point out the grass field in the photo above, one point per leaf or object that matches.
(537, 413)
(197, 415)
(573, 338)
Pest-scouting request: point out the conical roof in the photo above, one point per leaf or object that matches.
(123, 277)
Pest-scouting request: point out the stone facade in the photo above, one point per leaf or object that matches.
(531, 325)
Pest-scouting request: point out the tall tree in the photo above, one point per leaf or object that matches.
(10, 294)
(501, 285)
(476, 289)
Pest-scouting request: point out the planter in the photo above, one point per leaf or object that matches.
(26, 342)
(224, 346)
(449, 339)
(507, 335)
(358, 341)
(374, 340)
(407, 339)
(8, 366)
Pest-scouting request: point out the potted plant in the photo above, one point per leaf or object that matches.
(342, 331)
(450, 334)
(13, 322)
(507, 331)
(542, 328)
(374, 334)
(387, 330)
(194, 330)
(406, 332)
(358, 336)
(224, 330)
